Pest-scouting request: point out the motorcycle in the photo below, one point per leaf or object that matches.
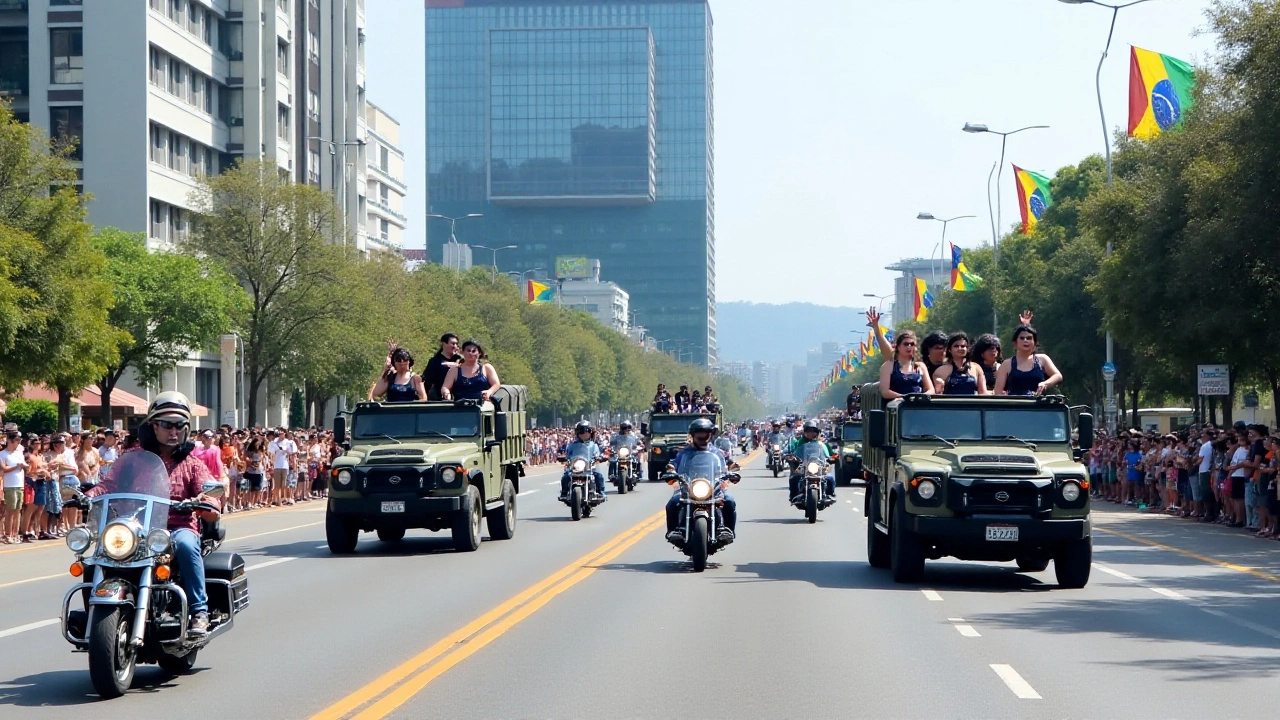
(701, 496)
(624, 468)
(813, 495)
(134, 607)
(583, 495)
(775, 459)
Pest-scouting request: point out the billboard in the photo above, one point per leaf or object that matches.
(1213, 380)
(572, 267)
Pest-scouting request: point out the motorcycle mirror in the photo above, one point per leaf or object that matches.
(213, 489)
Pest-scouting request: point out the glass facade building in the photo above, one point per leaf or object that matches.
(581, 128)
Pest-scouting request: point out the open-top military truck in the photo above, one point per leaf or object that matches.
(432, 465)
(666, 433)
(978, 478)
(849, 459)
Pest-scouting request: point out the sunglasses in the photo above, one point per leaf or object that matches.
(172, 424)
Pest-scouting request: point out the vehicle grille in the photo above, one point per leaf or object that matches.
(999, 459)
(1021, 497)
(398, 480)
(394, 455)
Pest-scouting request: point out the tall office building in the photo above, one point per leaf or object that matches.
(581, 128)
(160, 92)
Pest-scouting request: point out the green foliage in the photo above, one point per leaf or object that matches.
(32, 416)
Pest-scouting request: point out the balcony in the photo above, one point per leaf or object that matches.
(13, 5)
(378, 206)
(387, 178)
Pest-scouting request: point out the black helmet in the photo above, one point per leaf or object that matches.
(702, 425)
(584, 426)
(624, 425)
(811, 425)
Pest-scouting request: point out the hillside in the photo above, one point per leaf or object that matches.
(747, 332)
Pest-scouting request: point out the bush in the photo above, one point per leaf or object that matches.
(33, 416)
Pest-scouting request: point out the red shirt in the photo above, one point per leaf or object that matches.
(186, 480)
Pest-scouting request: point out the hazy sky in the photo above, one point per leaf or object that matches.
(837, 121)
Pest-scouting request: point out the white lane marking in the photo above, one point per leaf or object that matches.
(1014, 681)
(269, 563)
(967, 630)
(29, 626)
(1243, 623)
(554, 482)
(932, 595)
(31, 580)
(1115, 573)
(1168, 593)
(955, 619)
(322, 547)
(1174, 595)
(527, 492)
(849, 501)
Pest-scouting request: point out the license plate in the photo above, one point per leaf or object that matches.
(1002, 533)
(397, 506)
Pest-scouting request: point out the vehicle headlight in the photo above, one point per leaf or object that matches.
(927, 489)
(813, 468)
(448, 475)
(79, 539)
(657, 451)
(624, 453)
(775, 448)
(344, 477)
(158, 541)
(579, 465)
(700, 489)
(119, 541)
(1070, 491)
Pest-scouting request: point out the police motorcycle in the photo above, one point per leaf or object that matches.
(812, 468)
(624, 468)
(775, 460)
(701, 495)
(133, 608)
(583, 496)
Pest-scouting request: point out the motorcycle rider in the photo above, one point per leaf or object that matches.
(166, 431)
(584, 445)
(701, 431)
(811, 433)
(624, 438)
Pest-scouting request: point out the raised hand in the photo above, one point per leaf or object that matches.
(873, 318)
(1026, 316)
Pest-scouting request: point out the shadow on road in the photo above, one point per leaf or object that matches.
(853, 575)
(779, 521)
(65, 688)
(1209, 668)
(674, 566)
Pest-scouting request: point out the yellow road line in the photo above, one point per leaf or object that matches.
(479, 632)
(1196, 556)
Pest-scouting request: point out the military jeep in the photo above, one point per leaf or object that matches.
(665, 434)
(849, 459)
(991, 478)
(432, 465)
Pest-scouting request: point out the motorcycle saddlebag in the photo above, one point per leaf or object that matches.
(226, 582)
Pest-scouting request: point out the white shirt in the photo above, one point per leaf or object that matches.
(280, 452)
(69, 457)
(1240, 455)
(15, 477)
(1206, 456)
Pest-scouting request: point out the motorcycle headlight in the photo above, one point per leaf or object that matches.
(579, 465)
(813, 468)
(158, 541)
(448, 475)
(624, 453)
(344, 477)
(79, 539)
(1070, 491)
(700, 489)
(775, 447)
(119, 541)
(927, 489)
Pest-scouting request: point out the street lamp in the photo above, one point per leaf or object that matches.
(521, 276)
(881, 298)
(937, 248)
(493, 275)
(341, 158)
(453, 227)
(1106, 143)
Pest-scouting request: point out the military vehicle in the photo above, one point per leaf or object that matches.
(849, 459)
(666, 433)
(432, 465)
(983, 477)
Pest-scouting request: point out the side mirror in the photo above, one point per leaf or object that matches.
(340, 430)
(876, 429)
(490, 444)
(1084, 431)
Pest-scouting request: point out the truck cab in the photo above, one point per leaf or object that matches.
(665, 434)
(849, 459)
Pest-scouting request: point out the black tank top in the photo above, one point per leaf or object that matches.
(905, 383)
(397, 392)
(1024, 382)
(960, 382)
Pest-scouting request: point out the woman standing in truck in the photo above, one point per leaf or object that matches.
(474, 379)
(958, 376)
(1028, 372)
(397, 381)
(904, 375)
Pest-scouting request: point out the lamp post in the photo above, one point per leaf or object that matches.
(493, 275)
(929, 216)
(881, 298)
(342, 159)
(522, 276)
(1106, 144)
(453, 227)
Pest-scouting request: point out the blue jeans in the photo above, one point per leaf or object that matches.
(564, 483)
(1250, 503)
(830, 485)
(729, 511)
(186, 550)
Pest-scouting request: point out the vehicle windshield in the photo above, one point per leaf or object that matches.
(411, 423)
(1032, 424)
(852, 433)
(813, 451)
(137, 488)
(578, 450)
(627, 440)
(704, 465)
(675, 425)
(724, 443)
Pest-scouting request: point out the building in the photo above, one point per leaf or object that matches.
(386, 187)
(739, 370)
(760, 379)
(604, 301)
(800, 386)
(781, 381)
(934, 271)
(582, 128)
(159, 93)
(457, 256)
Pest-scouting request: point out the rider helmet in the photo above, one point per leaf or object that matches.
(811, 425)
(702, 425)
(624, 425)
(172, 406)
(582, 427)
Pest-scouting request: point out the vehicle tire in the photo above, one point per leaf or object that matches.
(811, 501)
(466, 522)
(877, 542)
(178, 665)
(575, 502)
(906, 557)
(390, 535)
(622, 481)
(112, 660)
(655, 472)
(776, 471)
(1072, 562)
(587, 507)
(341, 534)
(502, 522)
(697, 544)
(1032, 563)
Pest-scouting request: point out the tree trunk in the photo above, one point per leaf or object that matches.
(1229, 401)
(1213, 409)
(64, 408)
(107, 386)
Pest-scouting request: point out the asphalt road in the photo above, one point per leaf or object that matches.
(602, 619)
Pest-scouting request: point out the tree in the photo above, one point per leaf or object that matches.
(166, 304)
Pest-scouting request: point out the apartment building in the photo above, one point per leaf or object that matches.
(386, 189)
(160, 92)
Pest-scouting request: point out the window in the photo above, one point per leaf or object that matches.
(313, 166)
(177, 224)
(384, 229)
(67, 124)
(383, 194)
(282, 58)
(66, 48)
(195, 159)
(313, 104)
(313, 46)
(282, 121)
(177, 152)
(231, 105)
(175, 10)
(284, 5)
(158, 141)
(198, 91)
(383, 158)
(177, 78)
(65, 2)
(159, 68)
(159, 220)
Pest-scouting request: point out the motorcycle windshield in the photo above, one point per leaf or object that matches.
(813, 453)
(137, 489)
(627, 441)
(702, 465)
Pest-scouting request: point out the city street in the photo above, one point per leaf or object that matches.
(602, 619)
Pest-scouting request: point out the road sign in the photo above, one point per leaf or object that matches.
(1111, 406)
(1213, 379)
(1109, 371)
